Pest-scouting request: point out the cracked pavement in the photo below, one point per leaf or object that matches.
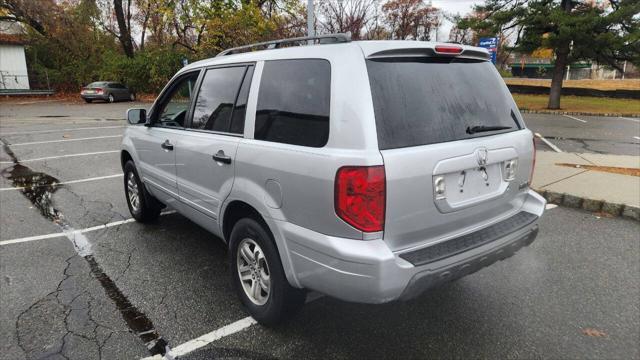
(580, 274)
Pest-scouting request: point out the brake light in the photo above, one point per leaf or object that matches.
(360, 194)
(533, 165)
(448, 49)
(99, 91)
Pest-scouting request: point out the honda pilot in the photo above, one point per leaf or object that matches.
(369, 171)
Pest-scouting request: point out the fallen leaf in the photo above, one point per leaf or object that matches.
(593, 332)
(66, 136)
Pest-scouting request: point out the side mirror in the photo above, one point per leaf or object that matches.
(136, 116)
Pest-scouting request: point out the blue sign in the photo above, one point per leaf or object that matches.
(490, 44)
(185, 62)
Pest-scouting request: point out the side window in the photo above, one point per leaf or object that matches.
(239, 112)
(173, 110)
(293, 102)
(217, 96)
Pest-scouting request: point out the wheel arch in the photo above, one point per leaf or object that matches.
(237, 209)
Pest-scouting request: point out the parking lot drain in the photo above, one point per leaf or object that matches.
(38, 188)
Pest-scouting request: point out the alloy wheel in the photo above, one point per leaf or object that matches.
(133, 192)
(253, 271)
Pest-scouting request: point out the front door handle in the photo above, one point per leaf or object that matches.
(221, 157)
(167, 145)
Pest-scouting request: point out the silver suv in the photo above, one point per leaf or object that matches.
(369, 171)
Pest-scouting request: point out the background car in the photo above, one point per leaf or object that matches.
(107, 91)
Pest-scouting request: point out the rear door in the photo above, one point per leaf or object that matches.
(456, 153)
(205, 160)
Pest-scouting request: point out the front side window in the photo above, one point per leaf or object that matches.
(174, 108)
(293, 102)
(215, 104)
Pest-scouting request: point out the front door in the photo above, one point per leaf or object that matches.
(158, 142)
(205, 160)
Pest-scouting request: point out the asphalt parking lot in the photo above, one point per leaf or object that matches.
(81, 280)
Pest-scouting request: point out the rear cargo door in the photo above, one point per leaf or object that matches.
(457, 156)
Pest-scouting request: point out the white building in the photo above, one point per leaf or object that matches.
(13, 65)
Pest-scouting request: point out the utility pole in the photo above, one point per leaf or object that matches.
(310, 18)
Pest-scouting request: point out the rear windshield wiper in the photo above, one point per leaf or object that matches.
(482, 128)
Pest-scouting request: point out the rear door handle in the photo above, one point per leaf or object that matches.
(167, 145)
(221, 157)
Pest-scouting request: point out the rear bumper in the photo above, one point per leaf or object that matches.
(369, 272)
(94, 97)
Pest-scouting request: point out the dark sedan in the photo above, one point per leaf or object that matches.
(106, 91)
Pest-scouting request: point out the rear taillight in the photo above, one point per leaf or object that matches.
(360, 196)
(99, 91)
(448, 49)
(533, 164)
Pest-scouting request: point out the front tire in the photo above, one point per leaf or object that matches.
(88, 101)
(142, 205)
(258, 276)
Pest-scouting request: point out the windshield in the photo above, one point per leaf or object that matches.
(419, 101)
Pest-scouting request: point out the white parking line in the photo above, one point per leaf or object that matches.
(574, 118)
(206, 339)
(636, 137)
(65, 140)
(74, 232)
(630, 119)
(63, 156)
(59, 130)
(550, 206)
(70, 181)
(549, 143)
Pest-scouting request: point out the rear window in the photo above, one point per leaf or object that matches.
(419, 101)
(293, 102)
(97, 84)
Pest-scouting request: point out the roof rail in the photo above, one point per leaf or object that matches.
(320, 39)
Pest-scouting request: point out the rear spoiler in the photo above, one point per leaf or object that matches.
(465, 53)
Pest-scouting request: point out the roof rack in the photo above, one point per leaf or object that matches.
(319, 39)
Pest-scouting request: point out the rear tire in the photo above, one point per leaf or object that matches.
(276, 300)
(111, 98)
(88, 101)
(132, 97)
(142, 205)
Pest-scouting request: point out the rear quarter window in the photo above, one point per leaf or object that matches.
(293, 102)
(420, 101)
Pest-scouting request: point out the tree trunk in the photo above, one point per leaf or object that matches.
(124, 30)
(558, 77)
(562, 55)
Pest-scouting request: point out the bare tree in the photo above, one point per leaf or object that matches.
(411, 19)
(123, 18)
(345, 16)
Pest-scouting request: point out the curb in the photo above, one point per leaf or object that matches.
(572, 201)
(560, 112)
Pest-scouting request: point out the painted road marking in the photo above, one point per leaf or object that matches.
(69, 182)
(550, 206)
(630, 119)
(636, 137)
(63, 156)
(549, 143)
(574, 118)
(74, 232)
(215, 335)
(65, 140)
(61, 130)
